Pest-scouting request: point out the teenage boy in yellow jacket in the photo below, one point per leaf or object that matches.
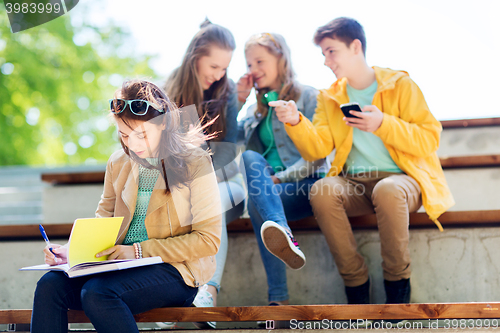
(385, 161)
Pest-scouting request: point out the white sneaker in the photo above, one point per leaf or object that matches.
(204, 300)
(280, 242)
(167, 324)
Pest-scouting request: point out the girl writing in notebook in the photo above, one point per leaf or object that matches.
(164, 186)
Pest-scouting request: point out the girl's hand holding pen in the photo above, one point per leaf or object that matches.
(118, 252)
(58, 256)
(244, 87)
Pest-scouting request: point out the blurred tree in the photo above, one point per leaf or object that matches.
(55, 82)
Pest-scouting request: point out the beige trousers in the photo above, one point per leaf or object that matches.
(390, 196)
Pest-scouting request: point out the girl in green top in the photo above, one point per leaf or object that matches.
(278, 179)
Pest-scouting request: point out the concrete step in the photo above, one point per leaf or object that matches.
(20, 195)
(21, 219)
(24, 193)
(469, 141)
(14, 179)
(474, 189)
(20, 208)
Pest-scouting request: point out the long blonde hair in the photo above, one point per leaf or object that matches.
(275, 44)
(184, 87)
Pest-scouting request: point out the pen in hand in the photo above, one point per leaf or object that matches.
(46, 239)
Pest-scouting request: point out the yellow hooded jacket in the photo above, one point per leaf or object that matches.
(409, 131)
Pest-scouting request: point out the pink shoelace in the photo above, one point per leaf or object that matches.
(292, 238)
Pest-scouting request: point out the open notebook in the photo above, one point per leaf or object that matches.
(88, 237)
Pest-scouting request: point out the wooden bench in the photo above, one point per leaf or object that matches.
(464, 123)
(414, 311)
(417, 220)
(462, 219)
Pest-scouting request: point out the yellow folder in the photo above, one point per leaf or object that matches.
(91, 236)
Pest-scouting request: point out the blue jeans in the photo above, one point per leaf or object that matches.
(276, 202)
(109, 299)
(232, 195)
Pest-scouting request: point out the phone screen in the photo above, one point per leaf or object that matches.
(348, 107)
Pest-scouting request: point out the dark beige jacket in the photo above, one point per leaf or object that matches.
(184, 226)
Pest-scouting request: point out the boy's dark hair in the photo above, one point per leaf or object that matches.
(344, 29)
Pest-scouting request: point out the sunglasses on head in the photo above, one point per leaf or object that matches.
(139, 107)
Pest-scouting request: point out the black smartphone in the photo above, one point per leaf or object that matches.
(348, 107)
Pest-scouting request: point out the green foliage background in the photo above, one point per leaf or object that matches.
(67, 85)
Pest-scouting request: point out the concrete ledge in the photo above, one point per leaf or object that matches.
(457, 265)
(60, 206)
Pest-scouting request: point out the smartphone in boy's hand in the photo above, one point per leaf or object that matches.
(348, 107)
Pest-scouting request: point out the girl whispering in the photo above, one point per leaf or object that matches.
(278, 178)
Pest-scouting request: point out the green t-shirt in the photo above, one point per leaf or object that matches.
(147, 179)
(266, 136)
(368, 152)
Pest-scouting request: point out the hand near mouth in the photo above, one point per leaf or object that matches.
(244, 86)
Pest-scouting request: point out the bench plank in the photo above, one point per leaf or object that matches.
(479, 161)
(74, 177)
(473, 218)
(31, 231)
(478, 122)
(298, 312)
(332, 312)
